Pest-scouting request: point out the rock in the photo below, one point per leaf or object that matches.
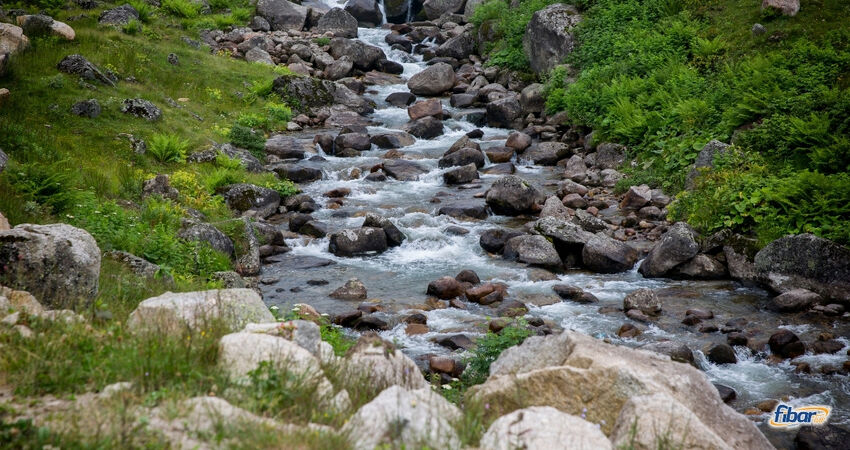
(260, 24)
(532, 249)
(78, 65)
(446, 365)
(603, 254)
(795, 300)
(628, 330)
(159, 185)
(701, 267)
(381, 365)
(546, 153)
(464, 209)
(445, 288)
(511, 196)
(677, 351)
(548, 36)
(425, 128)
(248, 254)
(241, 353)
(518, 141)
(543, 427)
(141, 108)
(643, 300)
(283, 15)
(610, 156)
(393, 140)
(4, 159)
(512, 308)
(258, 55)
(503, 112)
(139, 266)
(705, 161)
(339, 22)
(306, 93)
(367, 12)
(204, 232)
(304, 333)
(403, 170)
(458, 47)
(494, 239)
(119, 16)
(677, 245)
(301, 172)
(550, 370)
(462, 100)
(353, 289)
(400, 99)
(363, 55)
(636, 197)
(461, 175)
(436, 8)
(808, 262)
(20, 301)
(86, 108)
(243, 197)
(567, 187)
(57, 263)
(394, 236)
(532, 99)
(784, 7)
(172, 313)
(456, 342)
(727, 394)
(405, 418)
(829, 347)
(553, 207)
(498, 155)
(314, 228)
(462, 157)
(358, 241)
(721, 354)
(821, 437)
(431, 107)
(357, 141)
(785, 344)
(573, 293)
(589, 222)
(432, 81)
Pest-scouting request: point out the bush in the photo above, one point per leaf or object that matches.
(144, 9)
(132, 27)
(168, 148)
(181, 8)
(488, 349)
(245, 137)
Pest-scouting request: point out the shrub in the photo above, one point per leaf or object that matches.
(509, 25)
(181, 8)
(278, 112)
(322, 41)
(167, 148)
(488, 349)
(245, 137)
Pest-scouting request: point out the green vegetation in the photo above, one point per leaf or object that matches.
(167, 148)
(508, 24)
(489, 348)
(664, 78)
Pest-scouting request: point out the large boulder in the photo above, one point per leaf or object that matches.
(367, 12)
(425, 128)
(579, 375)
(808, 262)
(120, 16)
(546, 153)
(436, 8)
(358, 241)
(173, 313)
(511, 196)
(404, 170)
(305, 94)
(363, 55)
(606, 255)
(283, 15)
(243, 197)
(543, 427)
(549, 37)
(12, 40)
(79, 65)
(643, 300)
(532, 249)
(204, 232)
(432, 81)
(57, 263)
(458, 47)
(503, 112)
(339, 22)
(677, 245)
(401, 418)
(462, 157)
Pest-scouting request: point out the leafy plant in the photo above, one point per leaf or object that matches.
(181, 8)
(245, 137)
(489, 347)
(168, 148)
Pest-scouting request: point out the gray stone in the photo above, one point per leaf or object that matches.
(644, 300)
(605, 255)
(548, 36)
(532, 249)
(86, 108)
(204, 232)
(121, 15)
(511, 196)
(358, 241)
(243, 197)
(141, 108)
(432, 81)
(677, 245)
(283, 15)
(367, 12)
(339, 22)
(808, 262)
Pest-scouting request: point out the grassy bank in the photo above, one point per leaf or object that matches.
(665, 77)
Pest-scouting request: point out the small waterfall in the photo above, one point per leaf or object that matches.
(383, 12)
(409, 4)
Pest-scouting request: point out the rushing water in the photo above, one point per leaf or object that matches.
(398, 277)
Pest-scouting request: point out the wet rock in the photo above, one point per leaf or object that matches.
(574, 293)
(394, 236)
(478, 294)
(434, 9)
(721, 354)
(445, 288)
(57, 263)
(400, 99)
(461, 175)
(808, 262)
(829, 346)
(494, 239)
(553, 207)
(204, 232)
(300, 172)
(358, 241)
(141, 108)
(464, 209)
(425, 128)
(403, 170)
(430, 107)
(511, 196)
(458, 47)
(610, 156)
(567, 187)
(727, 394)
(737, 338)
(532, 98)
(454, 230)
(393, 140)
(512, 308)
(282, 15)
(701, 267)
(415, 329)
(603, 254)
(245, 197)
(338, 69)
(432, 81)
(347, 319)
(503, 112)
(644, 300)
(786, 344)
(795, 300)
(499, 154)
(462, 100)
(548, 37)
(677, 245)
(314, 228)
(468, 276)
(628, 330)
(446, 365)
(532, 249)
(339, 22)
(457, 341)
(462, 157)
(370, 323)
